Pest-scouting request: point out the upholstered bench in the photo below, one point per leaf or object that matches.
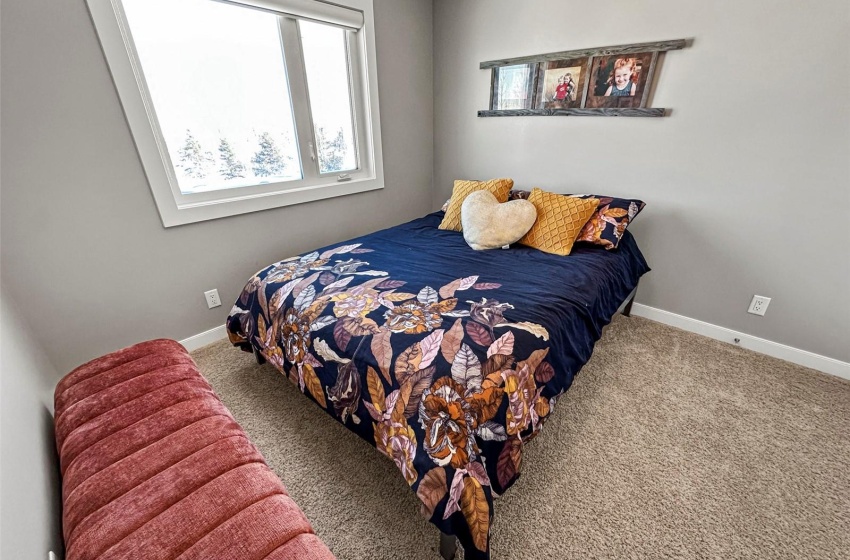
(154, 467)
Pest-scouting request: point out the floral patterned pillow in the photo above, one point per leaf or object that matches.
(607, 224)
(519, 194)
(613, 215)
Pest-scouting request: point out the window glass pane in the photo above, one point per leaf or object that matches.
(326, 63)
(218, 83)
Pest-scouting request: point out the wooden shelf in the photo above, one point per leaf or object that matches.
(588, 112)
(658, 46)
(537, 69)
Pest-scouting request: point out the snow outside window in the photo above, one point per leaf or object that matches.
(238, 106)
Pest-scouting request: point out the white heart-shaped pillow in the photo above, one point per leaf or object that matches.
(490, 225)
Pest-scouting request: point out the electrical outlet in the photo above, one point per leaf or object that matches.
(212, 298)
(759, 305)
(52, 556)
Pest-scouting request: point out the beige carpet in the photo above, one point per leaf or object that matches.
(668, 445)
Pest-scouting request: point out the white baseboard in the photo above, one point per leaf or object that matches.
(754, 343)
(202, 339)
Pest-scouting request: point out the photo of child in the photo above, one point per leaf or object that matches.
(566, 88)
(624, 78)
(560, 87)
(618, 80)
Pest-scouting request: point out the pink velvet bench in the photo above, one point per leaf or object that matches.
(154, 467)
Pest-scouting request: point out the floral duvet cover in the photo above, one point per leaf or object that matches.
(448, 360)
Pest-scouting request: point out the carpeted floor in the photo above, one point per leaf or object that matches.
(668, 445)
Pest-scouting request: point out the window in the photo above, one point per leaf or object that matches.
(238, 106)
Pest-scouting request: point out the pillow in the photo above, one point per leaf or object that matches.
(612, 217)
(490, 225)
(559, 221)
(500, 188)
(519, 194)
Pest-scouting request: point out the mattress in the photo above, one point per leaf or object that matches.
(446, 359)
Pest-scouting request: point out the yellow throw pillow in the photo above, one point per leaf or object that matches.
(501, 189)
(559, 221)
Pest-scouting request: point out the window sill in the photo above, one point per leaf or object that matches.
(174, 215)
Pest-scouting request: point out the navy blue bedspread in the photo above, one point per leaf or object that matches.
(447, 359)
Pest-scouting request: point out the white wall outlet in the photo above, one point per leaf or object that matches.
(212, 298)
(759, 305)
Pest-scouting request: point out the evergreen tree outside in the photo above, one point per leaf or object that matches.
(268, 161)
(331, 153)
(193, 160)
(231, 168)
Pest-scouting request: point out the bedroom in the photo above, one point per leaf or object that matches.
(675, 439)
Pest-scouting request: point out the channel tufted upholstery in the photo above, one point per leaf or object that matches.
(155, 467)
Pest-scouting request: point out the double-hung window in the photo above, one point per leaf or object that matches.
(241, 105)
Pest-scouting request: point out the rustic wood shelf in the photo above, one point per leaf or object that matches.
(659, 46)
(577, 112)
(542, 85)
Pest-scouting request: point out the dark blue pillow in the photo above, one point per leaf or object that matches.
(606, 226)
(613, 215)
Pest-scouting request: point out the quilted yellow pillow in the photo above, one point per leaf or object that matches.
(559, 221)
(500, 188)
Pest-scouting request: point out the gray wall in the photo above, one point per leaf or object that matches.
(84, 251)
(747, 183)
(30, 499)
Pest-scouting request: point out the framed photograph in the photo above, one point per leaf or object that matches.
(620, 80)
(560, 83)
(611, 81)
(513, 87)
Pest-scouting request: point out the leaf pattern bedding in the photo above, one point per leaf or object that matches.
(447, 359)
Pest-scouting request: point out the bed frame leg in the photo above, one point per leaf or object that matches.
(448, 546)
(259, 357)
(627, 311)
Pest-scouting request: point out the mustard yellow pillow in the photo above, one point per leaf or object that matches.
(500, 188)
(559, 221)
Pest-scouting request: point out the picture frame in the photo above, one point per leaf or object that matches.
(528, 85)
(513, 87)
(620, 80)
(561, 83)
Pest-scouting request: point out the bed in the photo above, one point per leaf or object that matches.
(448, 360)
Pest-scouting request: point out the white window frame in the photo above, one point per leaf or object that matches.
(176, 208)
